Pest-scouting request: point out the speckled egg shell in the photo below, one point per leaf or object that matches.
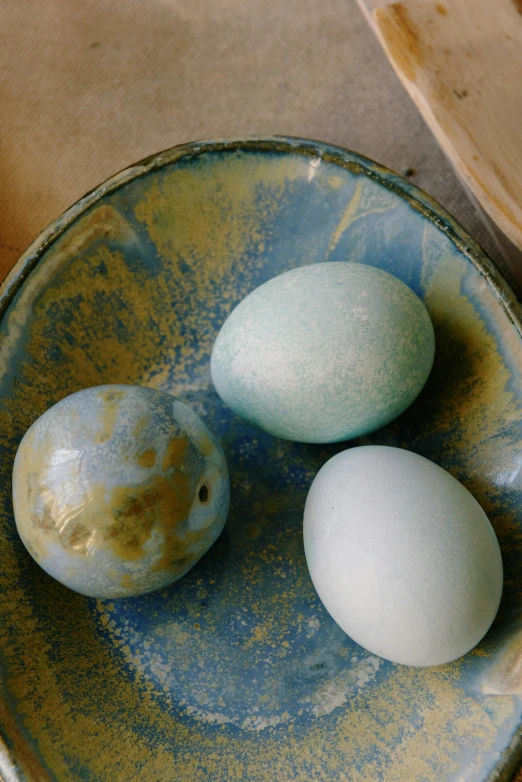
(119, 490)
(324, 353)
(402, 556)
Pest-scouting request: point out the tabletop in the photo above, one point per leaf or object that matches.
(89, 88)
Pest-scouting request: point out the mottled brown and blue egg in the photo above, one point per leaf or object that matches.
(119, 490)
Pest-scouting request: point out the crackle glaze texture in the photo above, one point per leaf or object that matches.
(324, 353)
(236, 671)
(119, 490)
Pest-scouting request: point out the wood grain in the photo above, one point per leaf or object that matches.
(461, 62)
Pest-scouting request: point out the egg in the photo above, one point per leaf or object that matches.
(401, 555)
(119, 490)
(324, 353)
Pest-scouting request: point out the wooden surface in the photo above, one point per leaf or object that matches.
(461, 62)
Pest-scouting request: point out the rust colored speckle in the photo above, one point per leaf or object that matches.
(141, 425)
(108, 415)
(111, 396)
(441, 9)
(32, 483)
(134, 513)
(252, 531)
(175, 453)
(147, 458)
(162, 502)
(176, 557)
(43, 520)
(518, 5)
(79, 536)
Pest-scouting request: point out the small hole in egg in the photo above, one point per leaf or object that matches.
(204, 494)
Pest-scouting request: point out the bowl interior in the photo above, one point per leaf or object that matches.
(237, 671)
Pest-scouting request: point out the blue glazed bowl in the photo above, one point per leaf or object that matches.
(236, 672)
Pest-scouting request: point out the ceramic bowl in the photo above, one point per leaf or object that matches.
(237, 672)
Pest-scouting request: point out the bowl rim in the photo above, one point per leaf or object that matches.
(10, 769)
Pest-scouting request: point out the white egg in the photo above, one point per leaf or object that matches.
(402, 556)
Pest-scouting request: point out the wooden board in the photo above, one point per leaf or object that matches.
(461, 62)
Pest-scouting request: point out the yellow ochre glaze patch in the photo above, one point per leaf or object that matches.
(108, 414)
(147, 458)
(161, 502)
(175, 453)
(126, 297)
(205, 446)
(141, 425)
(470, 383)
(124, 520)
(180, 550)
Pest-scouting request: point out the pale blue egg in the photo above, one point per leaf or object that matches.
(119, 490)
(324, 353)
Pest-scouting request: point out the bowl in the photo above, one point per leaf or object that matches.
(237, 672)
